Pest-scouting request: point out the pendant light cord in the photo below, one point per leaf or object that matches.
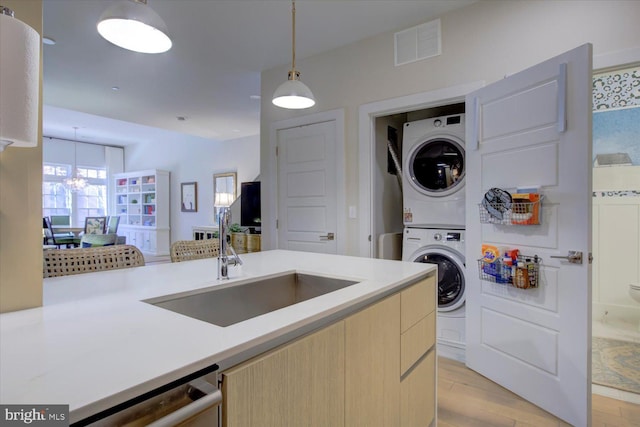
(293, 36)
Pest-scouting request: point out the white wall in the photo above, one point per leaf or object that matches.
(481, 42)
(616, 242)
(196, 160)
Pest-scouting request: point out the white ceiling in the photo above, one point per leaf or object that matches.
(219, 49)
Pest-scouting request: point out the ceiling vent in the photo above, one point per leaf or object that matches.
(416, 43)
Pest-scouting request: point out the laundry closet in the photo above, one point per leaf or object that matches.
(420, 197)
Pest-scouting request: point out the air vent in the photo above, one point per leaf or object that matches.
(417, 43)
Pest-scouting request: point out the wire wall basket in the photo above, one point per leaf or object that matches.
(523, 275)
(512, 213)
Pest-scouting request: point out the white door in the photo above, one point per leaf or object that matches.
(534, 129)
(307, 208)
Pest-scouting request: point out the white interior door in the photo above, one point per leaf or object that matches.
(534, 129)
(307, 207)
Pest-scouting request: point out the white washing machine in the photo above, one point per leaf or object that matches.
(444, 247)
(433, 159)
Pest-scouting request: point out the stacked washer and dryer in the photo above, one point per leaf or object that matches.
(433, 158)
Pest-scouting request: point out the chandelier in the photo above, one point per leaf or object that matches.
(75, 183)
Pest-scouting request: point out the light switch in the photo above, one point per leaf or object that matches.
(352, 212)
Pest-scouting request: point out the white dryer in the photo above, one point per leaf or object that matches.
(433, 160)
(444, 247)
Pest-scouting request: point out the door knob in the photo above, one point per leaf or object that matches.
(328, 236)
(574, 257)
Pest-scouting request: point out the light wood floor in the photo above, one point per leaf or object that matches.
(467, 399)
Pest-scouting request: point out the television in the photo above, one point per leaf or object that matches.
(250, 215)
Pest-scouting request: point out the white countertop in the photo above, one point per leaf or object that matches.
(95, 344)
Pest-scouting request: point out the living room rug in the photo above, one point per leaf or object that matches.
(616, 364)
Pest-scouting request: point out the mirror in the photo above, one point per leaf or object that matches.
(224, 192)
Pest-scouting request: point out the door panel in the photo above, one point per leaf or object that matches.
(534, 129)
(307, 199)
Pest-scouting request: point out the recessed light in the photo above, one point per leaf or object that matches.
(48, 41)
(115, 88)
(181, 118)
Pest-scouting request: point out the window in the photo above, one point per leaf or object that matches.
(57, 199)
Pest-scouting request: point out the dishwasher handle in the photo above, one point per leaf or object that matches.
(189, 411)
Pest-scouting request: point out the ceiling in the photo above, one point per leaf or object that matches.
(211, 75)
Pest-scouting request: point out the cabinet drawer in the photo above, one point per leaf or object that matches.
(418, 394)
(417, 301)
(417, 341)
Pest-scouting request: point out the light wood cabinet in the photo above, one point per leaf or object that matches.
(372, 381)
(365, 370)
(299, 384)
(418, 393)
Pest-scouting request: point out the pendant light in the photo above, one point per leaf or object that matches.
(75, 183)
(293, 94)
(133, 25)
(19, 82)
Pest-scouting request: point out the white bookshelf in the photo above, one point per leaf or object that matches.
(142, 202)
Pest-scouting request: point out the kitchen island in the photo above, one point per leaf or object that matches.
(96, 343)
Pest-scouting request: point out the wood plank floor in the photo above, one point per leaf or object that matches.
(467, 399)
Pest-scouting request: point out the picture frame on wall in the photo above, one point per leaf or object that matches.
(189, 196)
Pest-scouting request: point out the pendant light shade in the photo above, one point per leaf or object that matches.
(132, 25)
(293, 94)
(19, 82)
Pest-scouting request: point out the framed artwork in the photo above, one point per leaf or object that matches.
(189, 196)
(224, 191)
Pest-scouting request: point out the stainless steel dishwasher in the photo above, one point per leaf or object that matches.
(191, 401)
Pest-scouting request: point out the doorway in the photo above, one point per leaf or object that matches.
(333, 122)
(616, 232)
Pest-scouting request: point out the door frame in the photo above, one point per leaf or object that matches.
(271, 183)
(367, 115)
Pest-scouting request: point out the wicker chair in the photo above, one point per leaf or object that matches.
(65, 262)
(185, 250)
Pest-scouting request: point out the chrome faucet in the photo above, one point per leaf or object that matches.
(224, 260)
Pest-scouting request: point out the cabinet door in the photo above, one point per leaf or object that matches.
(417, 392)
(372, 365)
(316, 379)
(299, 384)
(254, 392)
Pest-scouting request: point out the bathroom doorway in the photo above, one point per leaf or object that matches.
(616, 232)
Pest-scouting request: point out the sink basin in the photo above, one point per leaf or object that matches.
(227, 306)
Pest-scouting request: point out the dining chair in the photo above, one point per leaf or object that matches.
(94, 240)
(65, 262)
(185, 250)
(50, 238)
(112, 224)
(95, 224)
(63, 220)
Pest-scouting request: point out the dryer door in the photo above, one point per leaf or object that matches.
(436, 166)
(451, 283)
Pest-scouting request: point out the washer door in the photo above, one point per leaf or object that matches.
(451, 283)
(436, 166)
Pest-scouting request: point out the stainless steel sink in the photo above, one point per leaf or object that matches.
(227, 306)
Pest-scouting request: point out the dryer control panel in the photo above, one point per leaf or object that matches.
(448, 237)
